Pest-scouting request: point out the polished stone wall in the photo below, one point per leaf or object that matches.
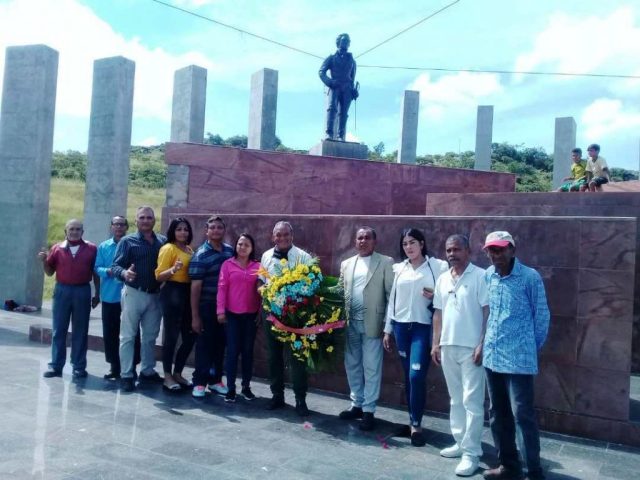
(583, 386)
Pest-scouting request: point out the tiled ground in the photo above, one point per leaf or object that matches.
(60, 429)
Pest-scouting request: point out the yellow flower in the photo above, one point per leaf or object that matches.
(283, 261)
(329, 349)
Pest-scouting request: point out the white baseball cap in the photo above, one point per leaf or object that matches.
(499, 239)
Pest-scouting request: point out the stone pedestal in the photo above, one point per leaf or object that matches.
(409, 128)
(109, 145)
(189, 101)
(26, 146)
(332, 148)
(263, 109)
(564, 142)
(484, 137)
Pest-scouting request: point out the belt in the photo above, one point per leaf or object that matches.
(145, 290)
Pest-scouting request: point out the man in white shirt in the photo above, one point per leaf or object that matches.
(597, 169)
(366, 280)
(459, 323)
(284, 249)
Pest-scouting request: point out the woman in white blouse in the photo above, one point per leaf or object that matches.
(409, 320)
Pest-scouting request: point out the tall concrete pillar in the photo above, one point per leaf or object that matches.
(109, 145)
(189, 101)
(564, 142)
(262, 110)
(409, 129)
(484, 137)
(26, 146)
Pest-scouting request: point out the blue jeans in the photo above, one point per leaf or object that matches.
(413, 341)
(210, 345)
(511, 398)
(71, 304)
(241, 335)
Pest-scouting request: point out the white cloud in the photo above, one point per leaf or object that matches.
(607, 116)
(450, 95)
(81, 37)
(590, 44)
(149, 141)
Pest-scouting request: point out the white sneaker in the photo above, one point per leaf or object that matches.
(198, 391)
(453, 451)
(219, 388)
(467, 466)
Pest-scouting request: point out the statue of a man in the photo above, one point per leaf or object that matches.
(341, 86)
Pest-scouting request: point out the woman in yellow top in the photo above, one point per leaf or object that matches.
(175, 298)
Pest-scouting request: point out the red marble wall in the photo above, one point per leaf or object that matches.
(583, 386)
(618, 204)
(234, 180)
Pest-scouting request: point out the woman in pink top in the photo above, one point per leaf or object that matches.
(238, 307)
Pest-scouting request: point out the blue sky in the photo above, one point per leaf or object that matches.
(585, 36)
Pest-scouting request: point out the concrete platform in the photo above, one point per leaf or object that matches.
(61, 429)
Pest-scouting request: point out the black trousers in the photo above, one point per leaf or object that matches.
(111, 336)
(176, 314)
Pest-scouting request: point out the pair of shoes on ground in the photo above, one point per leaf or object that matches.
(277, 401)
(368, 419)
(246, 393)
(127, 384)
(150, 378)
(111, 375)
(417, 438)
(52, 372)
(175, 383)
(219, 388)
(468, 463)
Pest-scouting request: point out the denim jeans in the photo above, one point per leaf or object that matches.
(210, 345)
(241, 335)
(111, 336)
(71, 304)
(175, 299)
(413, 341)
(511, 398)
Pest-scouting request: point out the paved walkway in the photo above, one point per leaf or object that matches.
(60, 429)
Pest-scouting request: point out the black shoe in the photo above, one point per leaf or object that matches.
(402, 431)
(230, 397)
(127, 384)
(111, 376)
(417, 439)
(152, 378)
(79, 373)
(368, 422)
(351, 413)
(247, 394)
(301, 408)
(52, 373)
(277, 401)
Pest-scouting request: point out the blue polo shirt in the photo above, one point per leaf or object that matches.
(205, 265)
(518, 320)
(110, 285)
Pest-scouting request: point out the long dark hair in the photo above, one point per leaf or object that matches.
(415, 233)
(252, 255)
(171, 231)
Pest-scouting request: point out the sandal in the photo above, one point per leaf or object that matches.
(172, 387)
(180, 380)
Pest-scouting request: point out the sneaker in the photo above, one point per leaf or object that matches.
(198, 391)
(368, 422)
(51, 372)
(230, 397)
(79, 373)
(467, 466)
(247, 394)
(127, 384)
(301, 408)
(277, 401)
(454, 451)
(151, 378)
(351, 413)
(219, 388)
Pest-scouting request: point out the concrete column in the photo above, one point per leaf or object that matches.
(189, 101)
(109, 145)
(26, 146)
(564, 142)
(262, 110)
(409, 129)
(484, 137)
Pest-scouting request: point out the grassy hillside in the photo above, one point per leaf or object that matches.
(67, 201)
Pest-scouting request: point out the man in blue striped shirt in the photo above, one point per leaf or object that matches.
(110, 293)
(516, 330)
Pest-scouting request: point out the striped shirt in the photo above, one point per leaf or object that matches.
(205, 265)
(518, 320)
(135, 250)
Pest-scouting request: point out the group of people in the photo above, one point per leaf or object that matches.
(586, 175)
(479, 326)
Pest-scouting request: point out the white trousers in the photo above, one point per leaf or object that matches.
(363, 364)
(465, 382)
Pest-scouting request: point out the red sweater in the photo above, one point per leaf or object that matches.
(72, 270)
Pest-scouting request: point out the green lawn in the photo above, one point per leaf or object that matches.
(67, 201)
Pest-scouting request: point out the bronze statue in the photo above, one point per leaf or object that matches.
(342, 87)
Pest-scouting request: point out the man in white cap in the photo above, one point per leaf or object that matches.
(516, 330)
